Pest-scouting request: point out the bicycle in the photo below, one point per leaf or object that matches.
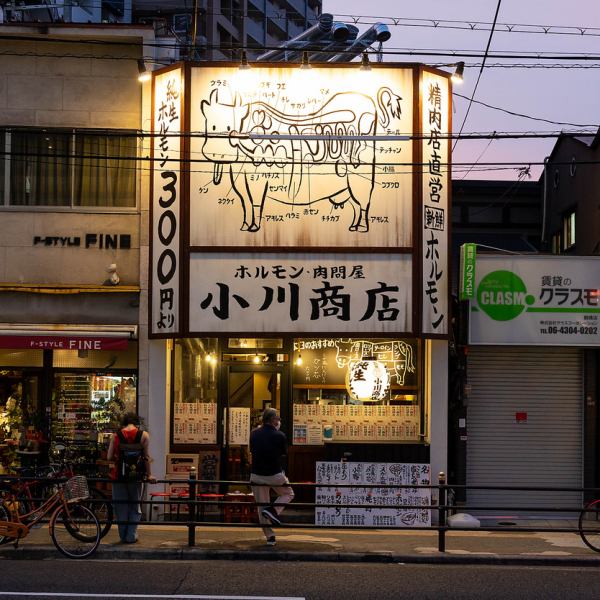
(40, 480)
(73, 527)
(589, 525)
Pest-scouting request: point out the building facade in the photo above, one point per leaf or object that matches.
(70, 244)
(294, 265)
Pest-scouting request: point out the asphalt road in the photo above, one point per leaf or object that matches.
(196, 580)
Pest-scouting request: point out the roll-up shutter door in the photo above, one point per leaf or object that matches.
(542, 445)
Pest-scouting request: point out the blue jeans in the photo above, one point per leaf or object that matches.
(126, 502)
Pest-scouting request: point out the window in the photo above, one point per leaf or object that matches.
(57, 168)
(569, 230)
(573, 167)
(556, 243)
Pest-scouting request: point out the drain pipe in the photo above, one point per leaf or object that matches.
(545, 199)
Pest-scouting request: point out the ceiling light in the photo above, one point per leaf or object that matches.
(457, 77)
(244, 61)
(143, 74)
(305, 62)
(365, 63)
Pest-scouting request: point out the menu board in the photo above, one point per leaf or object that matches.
(238, 426)
(325, 361)
(356, 473)
(356, 423)
(195, 423)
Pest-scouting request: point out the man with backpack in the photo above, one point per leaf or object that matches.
(128, 450)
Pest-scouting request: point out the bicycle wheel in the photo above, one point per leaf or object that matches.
(589, 525)
(101, 506)
(75, 532)
(4, 516)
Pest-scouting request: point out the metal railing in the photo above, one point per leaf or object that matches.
(193, 502)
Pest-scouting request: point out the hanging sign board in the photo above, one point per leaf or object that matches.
(536, 300)
(435, 217)
(269, 292)
(166, 203)
(468, 254)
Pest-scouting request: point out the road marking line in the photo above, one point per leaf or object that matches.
(169, 596)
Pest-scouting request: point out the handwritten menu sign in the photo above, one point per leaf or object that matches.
(195, 423)
(326, 361)
(356, 473)
(238, 426)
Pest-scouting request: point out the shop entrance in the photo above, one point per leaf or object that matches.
(22, 425)
(250, 388)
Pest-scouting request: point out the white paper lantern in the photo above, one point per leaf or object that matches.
(367, 380)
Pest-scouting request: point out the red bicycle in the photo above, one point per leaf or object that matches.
(36, 484)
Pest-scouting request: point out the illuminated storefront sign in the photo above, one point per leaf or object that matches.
(300, 158)
(435, 182)
(166, 202)
(285, 159)
(541, 300)
(309, 292)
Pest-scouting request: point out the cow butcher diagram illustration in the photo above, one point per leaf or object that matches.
(294, 146)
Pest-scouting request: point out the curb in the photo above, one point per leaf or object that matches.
(107, 553)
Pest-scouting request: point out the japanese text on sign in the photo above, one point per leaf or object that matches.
(312, 292)
(435, 204)
(369, 515)
(166, 204)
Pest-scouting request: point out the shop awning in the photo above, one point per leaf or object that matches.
(66, 337)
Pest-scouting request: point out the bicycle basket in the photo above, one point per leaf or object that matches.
(76, 488)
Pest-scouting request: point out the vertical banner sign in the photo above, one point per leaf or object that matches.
(436, 181)
(468, 253)
(166, 203)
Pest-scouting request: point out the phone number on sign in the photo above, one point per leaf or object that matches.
(571, 330)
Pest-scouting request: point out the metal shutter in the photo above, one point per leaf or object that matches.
(547, 449)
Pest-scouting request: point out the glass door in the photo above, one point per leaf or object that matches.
(250, 389)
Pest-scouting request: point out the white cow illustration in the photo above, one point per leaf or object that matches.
(250, 160)
(396, 355)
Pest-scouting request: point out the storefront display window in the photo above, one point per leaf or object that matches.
(87, 407)
(20, 420)
(356, 390)
(195, 369)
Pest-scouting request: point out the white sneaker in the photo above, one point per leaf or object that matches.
(271, 541)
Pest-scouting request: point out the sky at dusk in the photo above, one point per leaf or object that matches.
(564, 95)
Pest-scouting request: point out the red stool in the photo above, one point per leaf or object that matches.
(240, 509)
(154, 495)
(206, 501)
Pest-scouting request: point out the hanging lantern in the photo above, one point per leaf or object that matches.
(367, 380)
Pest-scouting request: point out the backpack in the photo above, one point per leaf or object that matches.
(131, 465)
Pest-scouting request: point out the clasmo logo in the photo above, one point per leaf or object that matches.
(502, 295)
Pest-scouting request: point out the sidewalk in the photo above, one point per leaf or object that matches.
(168, 542)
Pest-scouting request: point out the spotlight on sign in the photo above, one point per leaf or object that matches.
(367, 380)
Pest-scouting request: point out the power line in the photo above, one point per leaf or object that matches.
(183, 160)
(278, 136)
(431, 23)
(238, 47)
(487, 49)
(517, 114)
